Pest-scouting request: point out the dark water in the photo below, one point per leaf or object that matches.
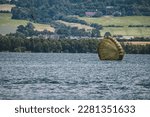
(73, 76)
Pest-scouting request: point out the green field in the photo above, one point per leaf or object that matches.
(122, 21)
(8, 25)
(125, 31)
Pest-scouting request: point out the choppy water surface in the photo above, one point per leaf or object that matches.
(73, 76)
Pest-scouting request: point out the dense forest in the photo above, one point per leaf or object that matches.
(47, 10)
(19, 43)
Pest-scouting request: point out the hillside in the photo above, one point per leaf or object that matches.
(8, 25)
(51, 10)
(123, 22)
(109, 23)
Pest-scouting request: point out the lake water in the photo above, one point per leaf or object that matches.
(73, 76)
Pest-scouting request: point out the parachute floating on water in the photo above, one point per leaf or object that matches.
(110, 49)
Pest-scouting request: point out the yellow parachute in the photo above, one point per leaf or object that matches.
(110, 49)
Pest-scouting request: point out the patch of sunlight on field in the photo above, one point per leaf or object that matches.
(137, 43)
(8, 25)
(42, 27)
(80, 26)
(6, 7)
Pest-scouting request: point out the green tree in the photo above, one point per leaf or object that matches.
(95, 33)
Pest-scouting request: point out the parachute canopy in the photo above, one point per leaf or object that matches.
(110, 49)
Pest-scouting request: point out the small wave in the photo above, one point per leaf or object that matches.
(71, 82)
(122, 88)
(4, 81)
(96, 82)
(22, 82)
(144, 83)
(54, 82)
(36, 81)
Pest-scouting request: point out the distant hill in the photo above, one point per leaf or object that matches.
(48, 10)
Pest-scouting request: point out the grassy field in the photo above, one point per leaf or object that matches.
(122, 21)
(8, 25)
(144, 32)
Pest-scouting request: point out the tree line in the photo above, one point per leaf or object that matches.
(19, 43)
